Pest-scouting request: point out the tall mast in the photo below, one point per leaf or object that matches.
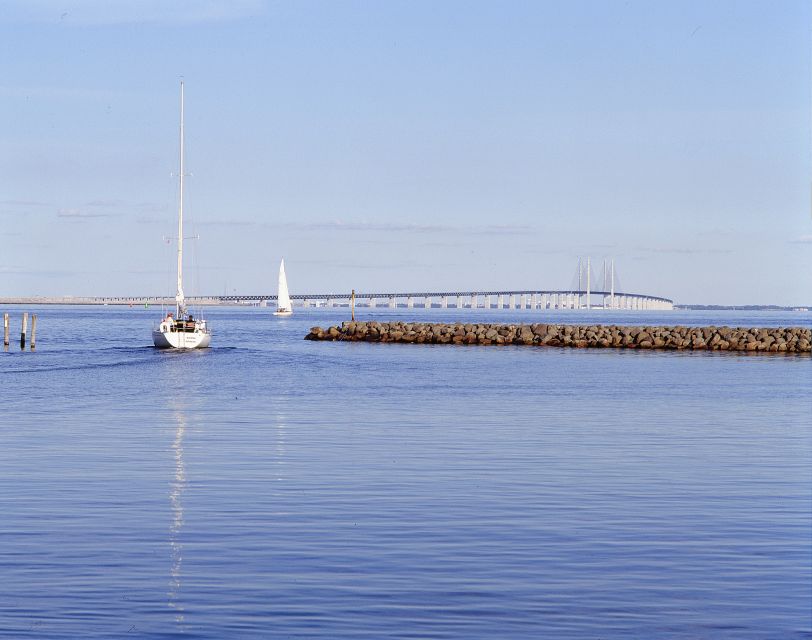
(179, 296)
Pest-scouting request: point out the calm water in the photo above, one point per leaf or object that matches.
(277, 488)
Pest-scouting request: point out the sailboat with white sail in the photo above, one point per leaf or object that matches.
(181, 330)
(283, 304)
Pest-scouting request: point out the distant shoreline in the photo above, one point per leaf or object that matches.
(739, 307)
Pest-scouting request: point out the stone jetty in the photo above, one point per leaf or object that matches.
(770, 340)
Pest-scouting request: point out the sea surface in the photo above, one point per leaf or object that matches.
(271, 487)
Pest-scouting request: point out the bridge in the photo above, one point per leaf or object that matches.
(508, 299)
(580, 295)
(518, 299)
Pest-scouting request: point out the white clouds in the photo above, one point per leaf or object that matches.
(24, 203)
(407, 227)
(104, 12)
(804, 239)
(688, 251)
(80, 214)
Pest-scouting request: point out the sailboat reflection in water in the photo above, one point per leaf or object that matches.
(178, 486)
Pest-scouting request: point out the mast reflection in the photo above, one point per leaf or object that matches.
(177, 488)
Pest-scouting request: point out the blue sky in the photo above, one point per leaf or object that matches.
(408, 146)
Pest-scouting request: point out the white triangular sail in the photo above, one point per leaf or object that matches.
(282, 296)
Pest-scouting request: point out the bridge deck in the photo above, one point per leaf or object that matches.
(169, 300)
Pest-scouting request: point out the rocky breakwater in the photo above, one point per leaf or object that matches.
(770, 340)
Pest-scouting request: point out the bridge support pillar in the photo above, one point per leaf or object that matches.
(329, 302)
(392, 304)
(427, 302)
(500, 302)
(409, 302)
(474, 301)
(444, 302)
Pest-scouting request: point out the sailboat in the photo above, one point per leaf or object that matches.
(283, 305)
(181, 330)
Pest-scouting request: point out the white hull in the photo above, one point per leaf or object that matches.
(181, 339)
(283, 312)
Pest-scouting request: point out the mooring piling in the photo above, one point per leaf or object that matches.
(24, 331)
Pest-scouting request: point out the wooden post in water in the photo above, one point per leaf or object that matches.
(33, 331)
(5, 329)
(352, 305)
(24, 331)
